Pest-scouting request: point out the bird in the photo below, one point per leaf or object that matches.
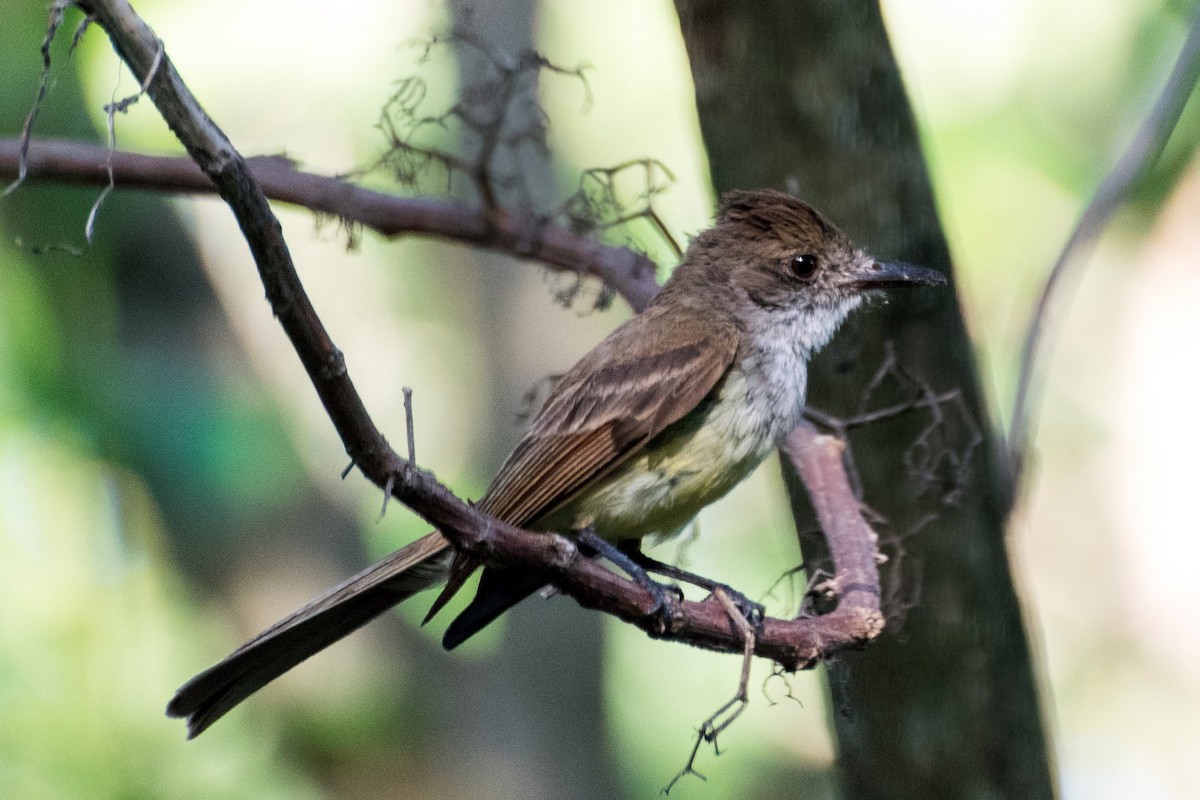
(664, 416)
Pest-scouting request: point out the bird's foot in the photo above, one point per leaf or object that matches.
(753, 612)
(666, 596)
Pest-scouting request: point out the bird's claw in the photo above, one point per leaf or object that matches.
(667, 597)
(753, 612)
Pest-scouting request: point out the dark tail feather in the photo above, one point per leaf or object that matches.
(499, 590)
(345, 608)
(461, 568)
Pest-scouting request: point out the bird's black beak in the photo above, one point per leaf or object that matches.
(896, 275)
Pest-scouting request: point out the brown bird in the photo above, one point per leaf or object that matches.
(661, 418)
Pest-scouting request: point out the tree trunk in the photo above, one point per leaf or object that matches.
(807, 96)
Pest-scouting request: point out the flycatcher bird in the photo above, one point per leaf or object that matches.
(660, 419)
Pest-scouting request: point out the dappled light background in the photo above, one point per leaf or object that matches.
(170, 484)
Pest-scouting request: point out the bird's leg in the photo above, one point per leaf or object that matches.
(752, 611)
(665, 595)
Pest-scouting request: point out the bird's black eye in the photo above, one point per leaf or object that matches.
(803, 267)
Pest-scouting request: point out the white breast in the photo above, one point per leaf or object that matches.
(772, 378)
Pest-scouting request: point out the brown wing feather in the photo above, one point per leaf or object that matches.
(622, 394)
(563, 468)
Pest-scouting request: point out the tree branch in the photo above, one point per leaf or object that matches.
(817, 459)
(794, 644)
(630, 274)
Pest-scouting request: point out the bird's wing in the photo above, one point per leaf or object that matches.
(622, 394)
(635, 383)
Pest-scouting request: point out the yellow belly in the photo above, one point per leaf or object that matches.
(660, 490)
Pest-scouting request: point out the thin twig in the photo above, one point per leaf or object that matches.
(722, 718)
(389, 486)
(408, 424)
(110, 113)
(776, 672)
(1139, 156)
(52, 25)
(843, 424)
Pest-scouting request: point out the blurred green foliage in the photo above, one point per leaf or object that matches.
(90, 642)
(112, 411)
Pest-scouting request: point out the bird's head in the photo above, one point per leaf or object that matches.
(771, 253)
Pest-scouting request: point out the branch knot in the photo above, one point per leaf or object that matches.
(334, 367)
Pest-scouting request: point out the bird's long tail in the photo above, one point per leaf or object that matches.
(340, 611)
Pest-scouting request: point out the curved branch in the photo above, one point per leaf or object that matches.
(1142, 152)
(817, 459)
(630, 274)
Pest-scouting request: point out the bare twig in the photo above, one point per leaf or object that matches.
(408, 425)
(776, 672)
(1137, 159)
(932, 460)
(724, 716)
(843, 424)
(389, 487)
(110, 112)
(22, 161)
(498, 117)
(600, 203)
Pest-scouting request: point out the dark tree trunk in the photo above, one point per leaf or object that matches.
(807, 96)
